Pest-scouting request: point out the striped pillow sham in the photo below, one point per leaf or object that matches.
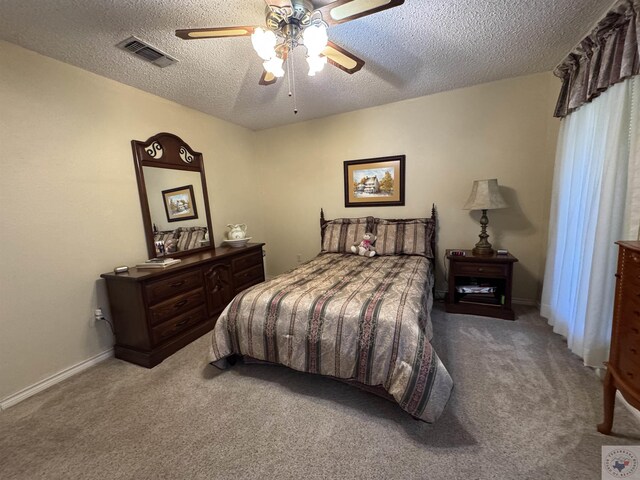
(404, 237)
(338, 235)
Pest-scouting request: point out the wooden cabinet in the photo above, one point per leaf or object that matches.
(494, 272)
(157, 312)
(623, 368)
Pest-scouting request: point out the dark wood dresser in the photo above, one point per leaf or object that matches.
(623, 368)
(157, 312)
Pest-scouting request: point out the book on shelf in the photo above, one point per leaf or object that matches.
(158, 263)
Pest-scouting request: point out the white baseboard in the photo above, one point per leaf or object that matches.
(25, 393)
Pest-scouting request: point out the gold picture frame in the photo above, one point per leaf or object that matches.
(374, 182)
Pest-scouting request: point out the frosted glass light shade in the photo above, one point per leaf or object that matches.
(316, 64)
(315, 38)
(264, 43)
(485, 195)
(274, 66)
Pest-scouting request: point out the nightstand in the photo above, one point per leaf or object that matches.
(480, 285)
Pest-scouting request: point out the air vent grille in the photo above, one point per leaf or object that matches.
(147, 52)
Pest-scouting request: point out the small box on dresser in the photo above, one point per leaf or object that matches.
(157, 312)
(623, 367)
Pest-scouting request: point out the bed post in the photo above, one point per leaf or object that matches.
(434, 217)
(322, 222)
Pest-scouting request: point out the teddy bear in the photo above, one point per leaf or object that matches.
(365, 248)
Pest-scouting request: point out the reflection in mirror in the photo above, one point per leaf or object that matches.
(175, 197)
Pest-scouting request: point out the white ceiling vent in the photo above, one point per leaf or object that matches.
(146, 52)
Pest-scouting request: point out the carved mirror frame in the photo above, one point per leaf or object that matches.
(168, 151)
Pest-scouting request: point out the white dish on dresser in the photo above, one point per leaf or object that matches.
(240, 242)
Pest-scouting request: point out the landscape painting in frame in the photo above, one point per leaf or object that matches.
(374, 182)
(179, 204)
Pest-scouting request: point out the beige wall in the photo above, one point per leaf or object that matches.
(503, 129)
(70, 207)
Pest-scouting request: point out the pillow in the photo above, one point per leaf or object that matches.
(338, 235)
(169, 240)
(190, 237)
(404, 237)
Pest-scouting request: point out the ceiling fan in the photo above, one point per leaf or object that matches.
(297, 22)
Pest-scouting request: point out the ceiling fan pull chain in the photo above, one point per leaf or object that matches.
(293, 83)
(289, 76)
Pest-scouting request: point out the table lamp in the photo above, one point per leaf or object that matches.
(485, 195)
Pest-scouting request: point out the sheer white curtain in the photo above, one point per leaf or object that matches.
(595, 201)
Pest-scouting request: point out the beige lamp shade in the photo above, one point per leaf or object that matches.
(485, 195)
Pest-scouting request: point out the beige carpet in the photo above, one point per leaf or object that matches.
(522, 407)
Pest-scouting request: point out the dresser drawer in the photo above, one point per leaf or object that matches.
(246, 261)
(176, 306)
(250, 276)
(479, 269)
(629, 367)
(169, 329)
(632, 258)
(168, 287)
(630, 318)
(630, 290)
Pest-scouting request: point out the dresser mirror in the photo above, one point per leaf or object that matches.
(173, 196)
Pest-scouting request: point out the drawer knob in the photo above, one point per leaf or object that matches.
(630, 374)
(181, 303)
(177, 284)
(480, 269)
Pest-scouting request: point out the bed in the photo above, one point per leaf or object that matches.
(364, 320)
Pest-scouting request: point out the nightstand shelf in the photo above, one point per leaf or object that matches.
(493, 274)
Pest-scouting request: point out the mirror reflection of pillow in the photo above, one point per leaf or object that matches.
(190, 237)
(166, 236)
(171, 245)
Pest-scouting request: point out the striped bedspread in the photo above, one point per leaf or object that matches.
(365, 319)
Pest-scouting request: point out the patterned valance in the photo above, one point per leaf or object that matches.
(605, 57)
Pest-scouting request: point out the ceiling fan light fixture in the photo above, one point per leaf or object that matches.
(264, 43)
(315, 38)
(316, 64)
(274, 67)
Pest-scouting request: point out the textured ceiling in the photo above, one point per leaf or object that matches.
(418, 48)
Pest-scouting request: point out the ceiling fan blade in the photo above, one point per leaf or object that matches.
(218, 32)
(267, 78)
(341, 58)
(342, 11)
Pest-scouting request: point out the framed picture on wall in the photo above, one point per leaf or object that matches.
(374, 182)
(179, 204)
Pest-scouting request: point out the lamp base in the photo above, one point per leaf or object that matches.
(483, 247)
(483, 250)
